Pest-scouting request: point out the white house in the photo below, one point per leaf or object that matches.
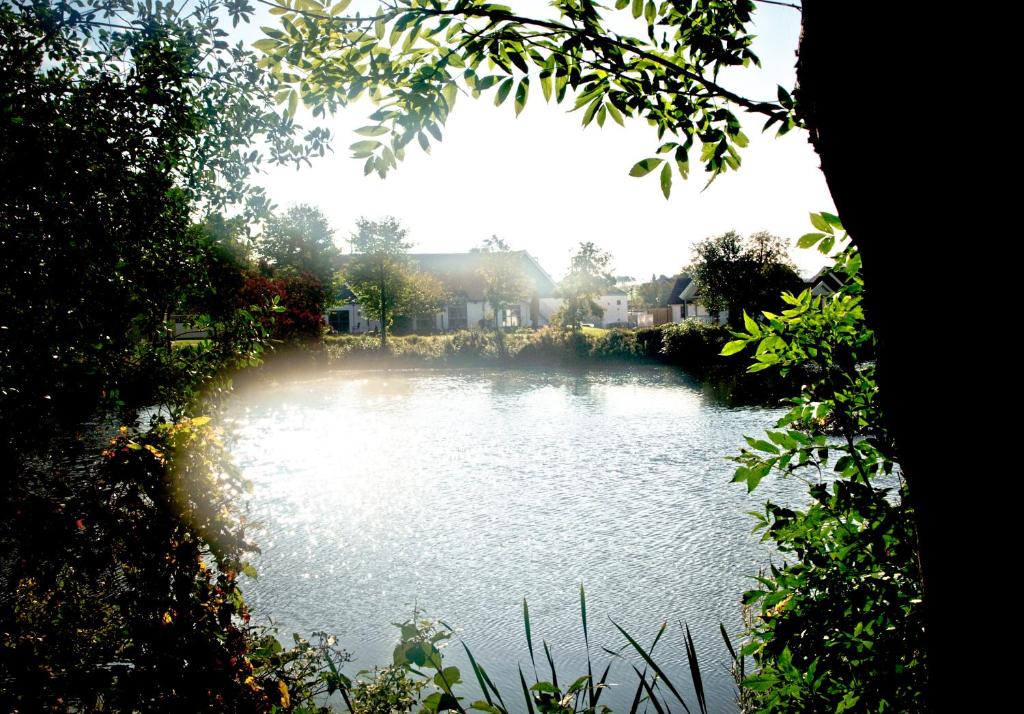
(824, 282)
(684, 301)
(614, 306)
(461, 274)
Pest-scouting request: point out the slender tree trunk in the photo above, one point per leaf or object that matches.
(865, 94)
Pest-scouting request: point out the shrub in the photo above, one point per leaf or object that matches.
(840, 623)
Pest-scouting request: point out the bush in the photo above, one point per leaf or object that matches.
(692, 343)
(840, 623)
(301, 296)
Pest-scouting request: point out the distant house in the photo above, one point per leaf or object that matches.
(684, 301)
(615, 307)
(824, 282)
(461, 275)
(345, 316)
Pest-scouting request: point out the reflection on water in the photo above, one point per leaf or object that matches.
(462, 492)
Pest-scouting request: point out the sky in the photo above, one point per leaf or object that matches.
(543, 183)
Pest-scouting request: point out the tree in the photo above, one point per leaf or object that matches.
(587, 280)
(742, 274)
(120, 121)
(301, 239)
(382, 279)
(653, 293)
(505, 283)
(845, 98)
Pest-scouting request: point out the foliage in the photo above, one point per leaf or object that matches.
(735, 274)
(383, 281)
(419, 667)
(301, 239)
(471, 347)
(653, 293)
(414, 57)
(692, 343)
(505, 283)
(120, 121)
(588, 278)
(385, 691)
(841, 622)
(301, 299)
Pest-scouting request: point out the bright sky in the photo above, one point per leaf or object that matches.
(543, 183)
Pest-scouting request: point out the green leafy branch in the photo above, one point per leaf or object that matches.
(413, 57)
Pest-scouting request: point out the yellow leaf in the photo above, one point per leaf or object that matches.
(285, 699)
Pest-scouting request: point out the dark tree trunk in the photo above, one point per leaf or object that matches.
(865, 95)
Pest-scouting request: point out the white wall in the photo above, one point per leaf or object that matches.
(616, 309)
(357, 322)
(696, 311)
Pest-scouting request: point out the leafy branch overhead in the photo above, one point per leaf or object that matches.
(413, 58)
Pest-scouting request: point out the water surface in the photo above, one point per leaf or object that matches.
(462, 492)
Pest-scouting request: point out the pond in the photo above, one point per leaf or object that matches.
(461, 492)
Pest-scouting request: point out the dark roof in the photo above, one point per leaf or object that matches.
(680, 285)
(344, 295)
(828, 279)
(460, 272)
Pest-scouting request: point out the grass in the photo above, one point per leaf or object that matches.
(421, 650)
(596, 331)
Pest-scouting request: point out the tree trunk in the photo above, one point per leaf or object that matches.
(864, 94)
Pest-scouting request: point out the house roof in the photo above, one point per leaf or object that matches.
(675, 294)
(825, 281)
(461, 272)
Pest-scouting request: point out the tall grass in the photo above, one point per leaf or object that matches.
(420, 655)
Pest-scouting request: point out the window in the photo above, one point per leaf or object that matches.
(457, 316)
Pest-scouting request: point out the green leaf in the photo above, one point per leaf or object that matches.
(809, 239)
(733, 347)
(645, 166)
(545, 85)
(529, 638)
(832, 220)
(761, 445)
(372, 130)
(265, 45)
(591, 110)
(759, 682)
(751, 325)
(526, 692)
(518, 61)
(820, 223)
(666, 180)
(522, 93)
(503, 91)
(615, 114)
(364, 146)
(450, 94)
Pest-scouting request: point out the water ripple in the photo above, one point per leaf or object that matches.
(463, 492)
